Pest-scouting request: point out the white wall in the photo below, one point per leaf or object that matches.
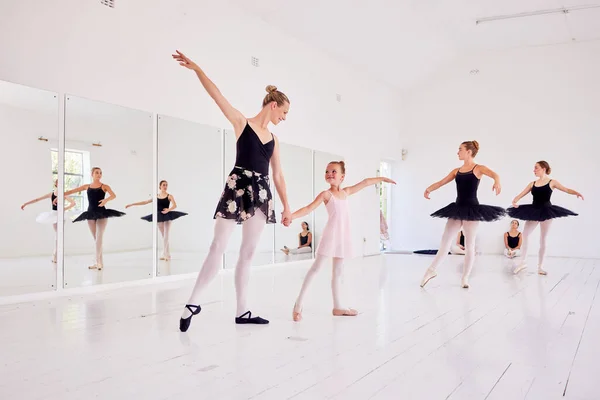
(123, 56)
(523, 106)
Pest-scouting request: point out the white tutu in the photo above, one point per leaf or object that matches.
(51, 217)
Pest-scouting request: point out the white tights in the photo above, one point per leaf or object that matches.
(450, 232)
(97, 228)
(336, 281)
(251, 231)
(165, 229)
(529, 228)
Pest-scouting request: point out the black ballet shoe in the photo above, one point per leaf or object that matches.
(184, 323)
(250, 319)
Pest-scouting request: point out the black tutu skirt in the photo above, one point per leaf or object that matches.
(170, 216)
(245, 192)
(99, 213)
(470, 212)
(529, 212)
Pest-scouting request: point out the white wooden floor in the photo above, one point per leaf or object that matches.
(525, 337)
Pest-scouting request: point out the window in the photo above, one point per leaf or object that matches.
(75, 166)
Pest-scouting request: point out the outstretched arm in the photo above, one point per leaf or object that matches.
(139, 203)
(309, 208)
(488, 172)
(71, 203)
(234, 116)
(522, 194)
(439, 184)
(46, 196)
(76, 190)
(560, 187)
(366, 182)
(280, 183)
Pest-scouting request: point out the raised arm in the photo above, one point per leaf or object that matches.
(279, 181)
(557, 185)
(234, 116)
(439, 184)
(46, 196)
(350, 190)
(522, 194)
(139, 203)
(309, 208)
(111, 195)
(488, 172)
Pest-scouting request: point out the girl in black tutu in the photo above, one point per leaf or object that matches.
(540, 212)
(466, 212)
(97, 214)
(166, 205)
(247, 198)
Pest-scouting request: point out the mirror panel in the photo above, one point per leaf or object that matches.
(102, 244)
(28, 245)
(190, 160)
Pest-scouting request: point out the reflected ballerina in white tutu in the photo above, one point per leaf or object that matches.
(51, 217)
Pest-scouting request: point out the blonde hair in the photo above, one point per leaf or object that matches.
(275, 95)
(341, 164)
(472, 145)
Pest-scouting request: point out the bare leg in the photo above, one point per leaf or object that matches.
(212, 262)
(470, 230)
(251, 232)
(529, 228)
(450, 232)
(544, 229)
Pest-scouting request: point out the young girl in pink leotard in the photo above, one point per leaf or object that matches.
(336, 241)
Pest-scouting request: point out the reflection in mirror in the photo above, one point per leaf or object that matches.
(108, 164)
(294, 243)
(28, 245)
(264, 250)
(320, 184)
(190, 162)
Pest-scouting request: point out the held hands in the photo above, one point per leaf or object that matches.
(184, 61)
(286, 218)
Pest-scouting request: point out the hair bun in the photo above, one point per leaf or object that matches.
(476, 144)
(271, 89)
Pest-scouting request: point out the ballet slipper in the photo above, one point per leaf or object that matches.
(542, 271)
(429, 275)
(296, 315)
(93, 266)
(100, 266)
(465, 282)
(520, 268)
(344, 312)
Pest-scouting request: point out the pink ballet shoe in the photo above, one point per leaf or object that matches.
(296, 315)
(429, 275)
(520, 268)
(344, 312)
(465, 282)
(93, 266)
(542, 271)
(100, 266)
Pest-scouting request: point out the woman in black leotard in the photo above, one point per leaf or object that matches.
(466, 211)
(540, 212)
(51, 217)
(166, 205)
(246, 198)
(304, 242)
(513, 240)
(97, 215)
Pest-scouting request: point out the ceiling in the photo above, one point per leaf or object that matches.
(401, 42)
